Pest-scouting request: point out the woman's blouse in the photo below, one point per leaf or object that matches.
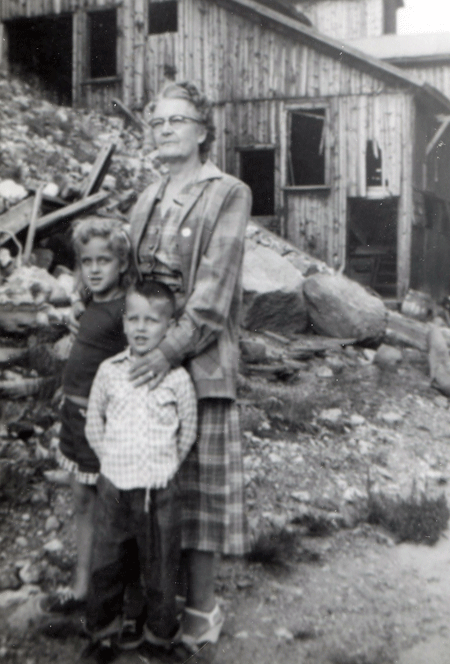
(159, 253)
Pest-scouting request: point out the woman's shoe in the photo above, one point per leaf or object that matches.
(215, 620)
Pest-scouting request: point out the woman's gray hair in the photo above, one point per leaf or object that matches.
(188, 91)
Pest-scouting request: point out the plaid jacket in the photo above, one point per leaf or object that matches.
(211, 242)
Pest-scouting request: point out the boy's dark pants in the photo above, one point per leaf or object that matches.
(121, 522)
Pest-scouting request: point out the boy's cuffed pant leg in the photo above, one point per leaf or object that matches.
(160, 557)
(112, 563)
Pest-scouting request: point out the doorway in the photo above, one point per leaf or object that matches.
(258, 171)
(372, 244)
(40, 49)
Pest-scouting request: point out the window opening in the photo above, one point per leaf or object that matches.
(162, 17)
(40, 49)
(258, 171)
(102, 44)
(306, 153)
(374, 173)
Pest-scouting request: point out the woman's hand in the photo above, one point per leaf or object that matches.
(150, 369)
(76, 310)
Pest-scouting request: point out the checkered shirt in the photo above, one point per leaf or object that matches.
(140, 436)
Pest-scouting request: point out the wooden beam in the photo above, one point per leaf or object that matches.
(120, 107)
(33, 224)
(445, 122)
(20, 223)
(99, 170)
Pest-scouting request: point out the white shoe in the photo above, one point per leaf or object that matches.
(215, 619)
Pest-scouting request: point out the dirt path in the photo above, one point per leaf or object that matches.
(350, 596)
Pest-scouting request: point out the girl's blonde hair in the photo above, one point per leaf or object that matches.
(115, 232)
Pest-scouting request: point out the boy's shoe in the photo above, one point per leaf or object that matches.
(160, 642)
(62, 601)
(131, 635)
(100, 652)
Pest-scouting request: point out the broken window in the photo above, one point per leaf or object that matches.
(374, 173)
(102, 43)
(258, 171)
(306, 149)
(162, 17)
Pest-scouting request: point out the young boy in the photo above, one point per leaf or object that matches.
(141, 436)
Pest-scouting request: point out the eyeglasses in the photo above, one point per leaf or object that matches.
(175, 121)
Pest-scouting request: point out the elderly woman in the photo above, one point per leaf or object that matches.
(188, 232)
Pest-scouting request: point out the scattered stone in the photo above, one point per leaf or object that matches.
(441, 401)
(369, 354)
(388, 356)
(31, 573)
(253, 351)
(335, 363)
(390, 417)
(9, 580)
(51, 189)
(330, 416)
(12, 192)
(53, 546)
(284, 633)
(52, 523)
(356, 420)
(39, 495)
(21, 541)
(324, 372)
(301, 496)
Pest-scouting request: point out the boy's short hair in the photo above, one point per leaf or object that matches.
(154, 290)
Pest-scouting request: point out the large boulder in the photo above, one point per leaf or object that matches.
(273, 292)
(339, 307)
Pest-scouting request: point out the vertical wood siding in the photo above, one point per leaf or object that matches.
(346, 19)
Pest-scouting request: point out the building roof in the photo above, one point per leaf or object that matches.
(342, 49)
(423, 47)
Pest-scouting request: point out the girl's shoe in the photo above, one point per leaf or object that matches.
(63, 601)
(215, 620)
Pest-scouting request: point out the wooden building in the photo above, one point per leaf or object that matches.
(352, 19)
(344, 154)
(426, 57)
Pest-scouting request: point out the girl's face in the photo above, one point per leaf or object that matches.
(100, 269)
(180, 138)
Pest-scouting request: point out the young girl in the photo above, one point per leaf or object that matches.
(102, 251)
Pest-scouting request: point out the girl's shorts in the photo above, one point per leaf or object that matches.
(75, 454)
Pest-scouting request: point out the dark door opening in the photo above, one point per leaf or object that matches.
(258, 171)
(372, 243)
(40, 49)
(102, 43)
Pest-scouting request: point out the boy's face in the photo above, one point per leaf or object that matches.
(100, 269)
(145, 322)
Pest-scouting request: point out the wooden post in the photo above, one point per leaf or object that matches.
(33, 224)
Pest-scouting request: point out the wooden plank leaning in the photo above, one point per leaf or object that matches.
(120, 107)
(33, 224)
(16, 224)
(99, 170)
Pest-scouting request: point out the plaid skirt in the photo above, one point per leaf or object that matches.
(212, 483)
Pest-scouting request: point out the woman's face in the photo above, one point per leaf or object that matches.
(180, 140)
